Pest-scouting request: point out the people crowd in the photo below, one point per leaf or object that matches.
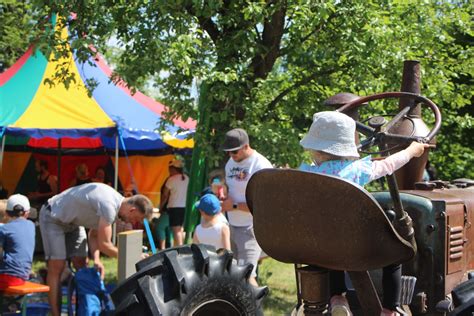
(226, 222)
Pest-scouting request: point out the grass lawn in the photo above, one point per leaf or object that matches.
(109, 263)
(279, 278)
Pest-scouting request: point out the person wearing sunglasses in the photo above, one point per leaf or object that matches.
(243, 162)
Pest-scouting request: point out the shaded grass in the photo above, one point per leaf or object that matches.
(109, 263)
(279, 277)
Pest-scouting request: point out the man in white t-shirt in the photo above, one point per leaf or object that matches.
(244, 161)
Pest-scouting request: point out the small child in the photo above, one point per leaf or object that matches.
(331, 142)
(217, 183)
(212, 230)
(17, 240)
(162, 228)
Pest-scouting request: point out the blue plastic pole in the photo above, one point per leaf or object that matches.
(150, 236)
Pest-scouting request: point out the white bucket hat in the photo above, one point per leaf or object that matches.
(332, 132)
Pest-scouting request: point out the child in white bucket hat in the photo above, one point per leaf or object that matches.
(331, 143)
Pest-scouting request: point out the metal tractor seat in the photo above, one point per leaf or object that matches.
(325, 222)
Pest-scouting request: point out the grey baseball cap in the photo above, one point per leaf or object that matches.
(235, 139)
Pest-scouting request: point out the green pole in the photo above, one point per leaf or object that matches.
(198, 174)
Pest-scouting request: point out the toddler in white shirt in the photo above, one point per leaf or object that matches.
(212, 230)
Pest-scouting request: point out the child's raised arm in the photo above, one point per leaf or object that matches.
(394, 162)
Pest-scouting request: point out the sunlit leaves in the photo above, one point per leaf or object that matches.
(16, 30)
(326, 47)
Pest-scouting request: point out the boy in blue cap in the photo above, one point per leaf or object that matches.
(212, 230)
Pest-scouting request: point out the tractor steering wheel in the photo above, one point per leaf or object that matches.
(378, 129)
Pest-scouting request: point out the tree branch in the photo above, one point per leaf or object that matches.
(257, 34)
(272, 33)
(210, 27)
(318, 29)
(324, 24)
(206, 24)
(298, 84)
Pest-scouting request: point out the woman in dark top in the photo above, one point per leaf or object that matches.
(101, 176)
(46, 187)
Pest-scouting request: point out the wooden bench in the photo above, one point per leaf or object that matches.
(23, 290)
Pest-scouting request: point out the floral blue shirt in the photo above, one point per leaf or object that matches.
(356, 171)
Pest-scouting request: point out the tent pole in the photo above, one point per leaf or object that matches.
(59, 164)
(4, 137)
(114, 225)
(116, 162)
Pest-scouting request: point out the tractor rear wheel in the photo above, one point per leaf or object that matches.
(189, 280)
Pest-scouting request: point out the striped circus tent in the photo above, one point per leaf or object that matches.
(40, 118)
(32, 107)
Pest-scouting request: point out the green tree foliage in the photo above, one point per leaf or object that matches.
(270, 64)
(16, 31)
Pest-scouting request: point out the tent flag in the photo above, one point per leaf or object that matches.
(29, 107)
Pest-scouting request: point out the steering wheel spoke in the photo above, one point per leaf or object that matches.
(366, 144)
(397, 118)
(389, 138)
(364, 129)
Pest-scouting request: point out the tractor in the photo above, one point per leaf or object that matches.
(320, 222)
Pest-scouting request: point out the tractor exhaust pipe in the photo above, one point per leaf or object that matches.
(413, 125)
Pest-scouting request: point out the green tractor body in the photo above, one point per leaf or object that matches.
(442, 219)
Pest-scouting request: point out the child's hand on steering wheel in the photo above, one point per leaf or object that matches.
(417, 149)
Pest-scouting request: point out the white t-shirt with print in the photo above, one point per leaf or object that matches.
(178, 190)
(237, 175)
